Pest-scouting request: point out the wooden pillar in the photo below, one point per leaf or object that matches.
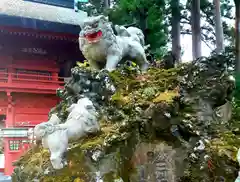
(11, 155)
(6, 156)
(54, 76)
(9, 69)
(10, 111)
(10, 72)
(13, 147)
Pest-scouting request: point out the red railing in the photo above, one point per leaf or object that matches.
(30, 80)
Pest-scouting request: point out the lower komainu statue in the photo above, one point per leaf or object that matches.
(82, 120)
(238, 159)
(103, 49)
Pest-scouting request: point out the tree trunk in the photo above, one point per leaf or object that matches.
(176, 46)
(106, 4)
(237, 42)
(218, 26)
(143, 22)
(196, 29)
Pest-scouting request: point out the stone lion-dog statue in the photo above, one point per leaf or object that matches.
(105, 50)
(81, 121)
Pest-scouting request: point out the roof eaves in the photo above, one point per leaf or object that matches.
(41, 12)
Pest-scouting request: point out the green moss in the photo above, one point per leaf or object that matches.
(143, 89)
(167, 96)
(124, 124)
(109, 176)
(92, 142)
(226, 145)
(120, 99)
(57, 179)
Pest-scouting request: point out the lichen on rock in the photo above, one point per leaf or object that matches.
(164, 117)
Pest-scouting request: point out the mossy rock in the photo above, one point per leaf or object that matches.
(154, 108)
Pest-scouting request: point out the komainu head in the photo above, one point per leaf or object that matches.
(95, 28)
(42, 129)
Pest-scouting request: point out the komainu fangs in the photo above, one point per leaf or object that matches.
(105, 50)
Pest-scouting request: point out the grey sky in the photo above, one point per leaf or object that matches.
(186, 42)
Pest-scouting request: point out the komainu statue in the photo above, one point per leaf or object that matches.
(82, 120)
(103, 49)
(135, 33)
(238, 159)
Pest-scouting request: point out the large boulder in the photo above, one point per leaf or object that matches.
(163, 124)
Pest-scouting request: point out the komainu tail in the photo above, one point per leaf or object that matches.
(133, 32)
(136, 32)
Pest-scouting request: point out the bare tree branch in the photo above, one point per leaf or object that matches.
(202, 38)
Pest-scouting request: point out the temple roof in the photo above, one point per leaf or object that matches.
(43, 12)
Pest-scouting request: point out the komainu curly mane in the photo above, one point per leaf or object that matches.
(103, 49)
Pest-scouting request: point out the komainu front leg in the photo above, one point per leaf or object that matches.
(142, 62)
(112, 62)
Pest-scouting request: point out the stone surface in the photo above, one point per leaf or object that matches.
(171, 115)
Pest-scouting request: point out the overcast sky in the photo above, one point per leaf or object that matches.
(186, 43)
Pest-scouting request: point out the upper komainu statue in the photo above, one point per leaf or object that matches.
(135, 33)
(103, 49)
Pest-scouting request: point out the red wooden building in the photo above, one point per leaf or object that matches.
(38, 46)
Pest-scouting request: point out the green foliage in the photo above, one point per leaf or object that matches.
(149, 16)
(207, 15)
(92, 8)
(154, 18)
(237, 3)
(237, 90)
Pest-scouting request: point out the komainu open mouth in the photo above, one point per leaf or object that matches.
(94, 37)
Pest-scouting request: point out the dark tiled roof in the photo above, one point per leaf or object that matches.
(39, 11)
(40, 36)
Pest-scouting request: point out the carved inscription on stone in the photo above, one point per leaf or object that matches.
(155, 163)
